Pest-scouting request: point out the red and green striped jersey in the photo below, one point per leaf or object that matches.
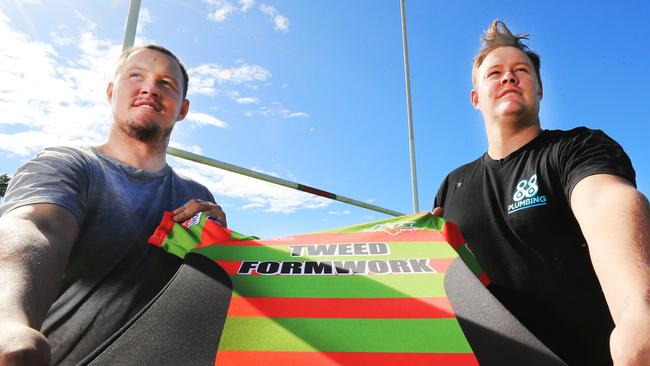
(365, 294)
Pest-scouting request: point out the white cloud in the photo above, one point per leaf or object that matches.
(253, 193)
(344, 212)
(144, 18)
(60, 38)
(203, 86)
(280, 22)
(236, 75)
(205, 119)
(219, 9)
(88, 24)
(22, 143)
(203, 78)
(58, 101)
(196, 149)
(246, 100)
(296, 115)
(252, 205)
(278, 110)
(245, 5)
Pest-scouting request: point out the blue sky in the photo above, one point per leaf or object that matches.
(313, 91)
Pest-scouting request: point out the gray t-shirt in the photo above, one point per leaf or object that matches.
(112, 271)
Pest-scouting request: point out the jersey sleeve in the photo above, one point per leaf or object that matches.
(589, 152)
(55, 176)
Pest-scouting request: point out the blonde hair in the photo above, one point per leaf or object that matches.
(498, 35)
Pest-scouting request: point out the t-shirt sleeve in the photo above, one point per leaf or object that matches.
(55, 176)
(209, 196)
(439, 200)
(193, 189)
(589, 152)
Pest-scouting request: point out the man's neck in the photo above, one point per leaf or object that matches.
(506, 138)
(147, 156)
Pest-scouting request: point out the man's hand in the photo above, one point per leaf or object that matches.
(194, 206)
(437, 211)
(22, 345)
(630, 341)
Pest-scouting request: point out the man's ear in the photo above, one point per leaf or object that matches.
(109, 93)
(185, 108)
(541, 91)
(473, 98)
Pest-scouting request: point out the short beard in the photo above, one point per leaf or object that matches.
(145, 132)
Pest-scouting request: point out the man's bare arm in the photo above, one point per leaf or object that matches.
(35, 243)
(615, 220)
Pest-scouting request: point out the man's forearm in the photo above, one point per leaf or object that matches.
(619, 242)
(30, 272)
(615, 220)
(35, 242)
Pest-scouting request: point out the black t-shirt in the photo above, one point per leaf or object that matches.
(515, 214)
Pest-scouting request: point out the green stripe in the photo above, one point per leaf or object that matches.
(340, 286)
(470, 260)
(421, 221)
(344, 335)
(180, 241)
(237, 236)
(398, 250)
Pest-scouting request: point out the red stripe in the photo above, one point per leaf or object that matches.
(453, 235)
(343, 358)
(426, 236)
(483, 277)
(441, 265)
(317, 191)
(166, 225)
(390, 308)
(214, 233)
(231, 267)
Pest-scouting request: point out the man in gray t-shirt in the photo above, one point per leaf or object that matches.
(74, 260)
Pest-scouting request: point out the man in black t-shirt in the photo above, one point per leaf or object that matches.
(554, 217)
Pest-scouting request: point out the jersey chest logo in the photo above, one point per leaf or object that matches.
(526, 195)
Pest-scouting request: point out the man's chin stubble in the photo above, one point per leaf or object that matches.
(145, 133)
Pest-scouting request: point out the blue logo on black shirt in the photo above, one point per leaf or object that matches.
(526, 195)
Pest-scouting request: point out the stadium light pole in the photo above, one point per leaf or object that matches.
(409, 114)
(131, 24)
